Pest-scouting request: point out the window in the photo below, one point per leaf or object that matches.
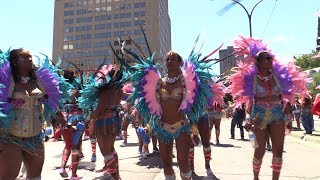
(122, 24)
(70, 46)
(128, 15)
(108, 34)
(96, 35)
(108, 26)
(65, 55)
(122, 15)
(109, 8)
(84, 11)
(79, 12)
(96, 44)
(89, 10)
(128, 6)
(78, 46)
(143, 4)
(97, 9)
(142, 13)
(83, 28)
(128, 32)
(136, 5)
(78, 20)
(89, 19)
(138, 22)
(103, 9)
(65, 21)
(89, 28)
(65, 47)
(90, 2)
(122, 33)
(136, 14)
(116, 25)
(116, 16)
(128, 24)
(97, 1)
(66, 5)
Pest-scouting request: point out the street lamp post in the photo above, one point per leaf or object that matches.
(249, 15)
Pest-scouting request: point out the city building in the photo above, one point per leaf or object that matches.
(230, 60)
(83, 29)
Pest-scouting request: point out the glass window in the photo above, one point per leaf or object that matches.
(71, 4)
(65, 55)
(128, 32)
(108, 34)
(84, 11)
(122, 15)
(116, 25)
(65, 47)
(117, 7)
(116, 16)
(70, 46)
(89, 19)
(103, 9)
(97, 18)
(136, 14)
(102, 44)
(128, 6)
(71, 21)
(79, 3)
(108, 17)
(96, 35)
(97, 9)
(84, 19)
(136, 5)
(109, 8)
(89, 36)
(83, 28)
(97, 1)
(142, 13)
(70, 29)
(78, 20)
(71, 55)
(128, 15)
(122, 33)
(109, 0)
(97, 53)
(103, 1)
(85, 3)
(128, 42)
(79, 12)
(78, 28)
(108, 26)
(78, 37)
(143, 4)
(122, 24)
(89, 10)
(89, 28)
(66, 5)
(97, 44)
(116, 34)
(78, 46)
(128, 24)
(65, 21)
(90, 2)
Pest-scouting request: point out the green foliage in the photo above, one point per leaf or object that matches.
(306, 61)
(315, 82)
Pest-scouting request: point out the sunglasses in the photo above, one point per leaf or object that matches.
(25, 57)
(269, 58)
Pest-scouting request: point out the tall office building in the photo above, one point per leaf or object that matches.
(83, 29)
(229, 62)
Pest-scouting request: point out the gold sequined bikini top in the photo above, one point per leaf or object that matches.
(176, 93)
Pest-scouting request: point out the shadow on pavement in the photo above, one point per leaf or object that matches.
(196, 177)
(225, 145)
(129, 144)
(152, 161)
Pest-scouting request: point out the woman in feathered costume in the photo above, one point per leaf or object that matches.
(29, 94)
(73, 130)
(103, 94)
(202, 127)
(173, 102)
(268, 88)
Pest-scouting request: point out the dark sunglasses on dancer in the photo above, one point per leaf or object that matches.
(173, 59)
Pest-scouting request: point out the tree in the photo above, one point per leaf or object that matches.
(307, 61)
(315, 82)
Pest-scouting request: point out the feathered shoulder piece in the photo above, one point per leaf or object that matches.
(145, 81)
(218, 91)
(198, 84)
(249, 48)
(57, 89)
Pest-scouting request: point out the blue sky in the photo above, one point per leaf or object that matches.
(292, 29)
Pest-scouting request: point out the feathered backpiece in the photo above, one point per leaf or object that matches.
(218, 92)
(289, 78)
(55, 86)
(250, 48)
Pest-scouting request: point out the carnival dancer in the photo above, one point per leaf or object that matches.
(268, 88)
(215, 114)
(72, 132)
(202, 128)
(172, 103)
(103, 94)
(128, 116)
(31, 91)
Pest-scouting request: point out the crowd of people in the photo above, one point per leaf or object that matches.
(180, 107)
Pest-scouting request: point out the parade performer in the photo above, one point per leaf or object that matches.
(173, 102)
(73, 130)
(215, 115)
(128, 116)
(267, 88)
(102, 94)
(31, 91)
(202, 128)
